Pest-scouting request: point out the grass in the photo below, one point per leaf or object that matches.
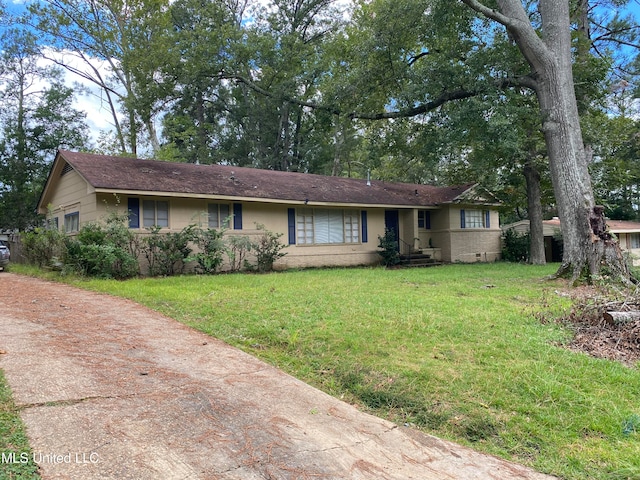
(16, 460)
(458, 351)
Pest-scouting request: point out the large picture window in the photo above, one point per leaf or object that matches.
(634, 240)
(325, 225)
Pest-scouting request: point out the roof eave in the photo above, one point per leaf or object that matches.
(231, 198)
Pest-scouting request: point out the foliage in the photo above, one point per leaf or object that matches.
(167, 253)
(267, 248)
(237, 248)
(106, 250)
(616, 174)
(388, 245)
(13, 440)
(515, 246)
(435, 349)
(44, 247)
(210, 251)
(34, 123)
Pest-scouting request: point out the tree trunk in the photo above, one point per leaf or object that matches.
(618, 318)
(534, 207)
(550, 57)
(563, 136)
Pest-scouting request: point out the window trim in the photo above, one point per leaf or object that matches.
(483, 215)
(220, 222)
(426, 220)
(306, 226)
(72, 220)
(143, 206)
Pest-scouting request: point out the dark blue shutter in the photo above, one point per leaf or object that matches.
(462, 218)
(427, 220)
(487, 219)
(133, 208)
(365, 234)
(237, 216)
(291, 212)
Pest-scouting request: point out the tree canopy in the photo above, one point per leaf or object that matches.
(418, 90)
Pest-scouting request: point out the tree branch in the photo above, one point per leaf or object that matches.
(418, 110)
(489, 12)
(445, 97)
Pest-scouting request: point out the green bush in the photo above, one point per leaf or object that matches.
(515, 246)
(44, 247)
(105, 251)
(268, 248)
(168, 253)
(237, 248)
(101, 260)
(388, 245)
(211, 248)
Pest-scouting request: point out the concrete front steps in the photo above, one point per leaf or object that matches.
(418, 260)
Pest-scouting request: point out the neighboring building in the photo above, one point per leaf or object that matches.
(325, 220)
(628, 234)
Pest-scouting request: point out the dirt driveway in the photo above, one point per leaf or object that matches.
(109, 389)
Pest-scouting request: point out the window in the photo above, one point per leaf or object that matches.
(351, 226)
(634, 240)
(424, 219)
(219, 215)
(324, 225)
(72, 222)
(474, 218)
(155, 213)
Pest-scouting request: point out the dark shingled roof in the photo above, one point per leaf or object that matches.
(129, 174)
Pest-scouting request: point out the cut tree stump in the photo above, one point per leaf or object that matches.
(617, 318)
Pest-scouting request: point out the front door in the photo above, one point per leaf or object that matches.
(392, 224)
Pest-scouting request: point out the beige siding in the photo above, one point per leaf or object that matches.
(453, 243)
(468, 245)
(625, 244)
(185, 212)
(72, 195)
(299, 256)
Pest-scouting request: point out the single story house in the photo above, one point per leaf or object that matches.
(325, 221)
(628, 234)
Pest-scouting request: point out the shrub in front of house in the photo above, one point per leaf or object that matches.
(44, 247)
(388, 245)
(168, 253)
(108, 250)
(237, 248)
(515, 246)
(268, 248)
(211, 249)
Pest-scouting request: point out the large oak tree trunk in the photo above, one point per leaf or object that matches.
(549, 55)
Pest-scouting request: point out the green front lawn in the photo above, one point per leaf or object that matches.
(458, 351)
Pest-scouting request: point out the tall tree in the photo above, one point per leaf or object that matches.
(37, 118)
(114, 45)
(549, 54)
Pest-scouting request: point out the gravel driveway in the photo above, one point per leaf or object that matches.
(109, 389)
